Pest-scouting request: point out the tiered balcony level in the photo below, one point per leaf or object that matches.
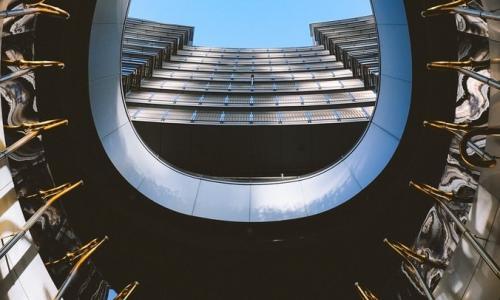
(185, 84)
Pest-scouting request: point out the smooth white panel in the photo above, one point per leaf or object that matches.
(120, 148)
(329, 190)
(222, 201)
(110, 12)
(105, 55)
(391, 114)
(371, 156)
(277, 202)
(172, 191)
(107, 106)
(395, 51)
(389, 11)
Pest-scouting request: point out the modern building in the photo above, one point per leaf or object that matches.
(175, 82)
(129, 155)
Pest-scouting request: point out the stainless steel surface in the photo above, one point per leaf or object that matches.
(34, 282)
(15, 75)
(478, 13)
(35, 8)
(468, 277)
(36, 216)
(74, 270)
(410, 258)
(204, 83)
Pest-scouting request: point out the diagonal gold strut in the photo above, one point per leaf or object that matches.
(127, 291)
(443, 8)
(364, 293)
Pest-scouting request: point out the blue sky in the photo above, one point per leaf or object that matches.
(255, 23)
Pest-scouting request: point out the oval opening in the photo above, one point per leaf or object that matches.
(250, 113)
(249, 201)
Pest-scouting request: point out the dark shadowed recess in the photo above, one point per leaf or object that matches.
(250, 151)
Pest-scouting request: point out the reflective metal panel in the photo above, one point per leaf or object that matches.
(108, 111)
(395, 51)
(123, 148)
(330, 190)
(391, 113)
(389, 12)
(372, 155)
(107, 40)
(277, 202)
(234, 205)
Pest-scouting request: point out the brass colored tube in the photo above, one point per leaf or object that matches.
(465, 232)
(127, 291)
(460, 67)
(35, 8)
(45, 125)
(409, 255)
(21, 63)
(458, 64)
(432, 191)
(443, 8)
(31, 131)
(44, 194)
(26, 67)
(409, 266)
(37, 215)
(77, 267)
(466, 133)
(364, 294)
(459, 7)
(72, 256)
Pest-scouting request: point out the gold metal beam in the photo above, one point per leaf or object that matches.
(458, 64)
(411, 256)
(25, 67)
(21, 63)
(31, 131)
(457, 129)
(44, 194)
(432, 191)
(443, 8)
(35, 8)
(465, 133)
(127, 291)
(365, 294)
(410, 267)
(37, 215)
(38, 126)
(459, 7)
(90, 248)
(462, 67)
(72, 256)
(423, 188)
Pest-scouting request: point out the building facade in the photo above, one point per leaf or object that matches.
(188, 236)
(168, 83)
(226, 86)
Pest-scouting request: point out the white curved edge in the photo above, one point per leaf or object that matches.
(22, 272)
(252, 202)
